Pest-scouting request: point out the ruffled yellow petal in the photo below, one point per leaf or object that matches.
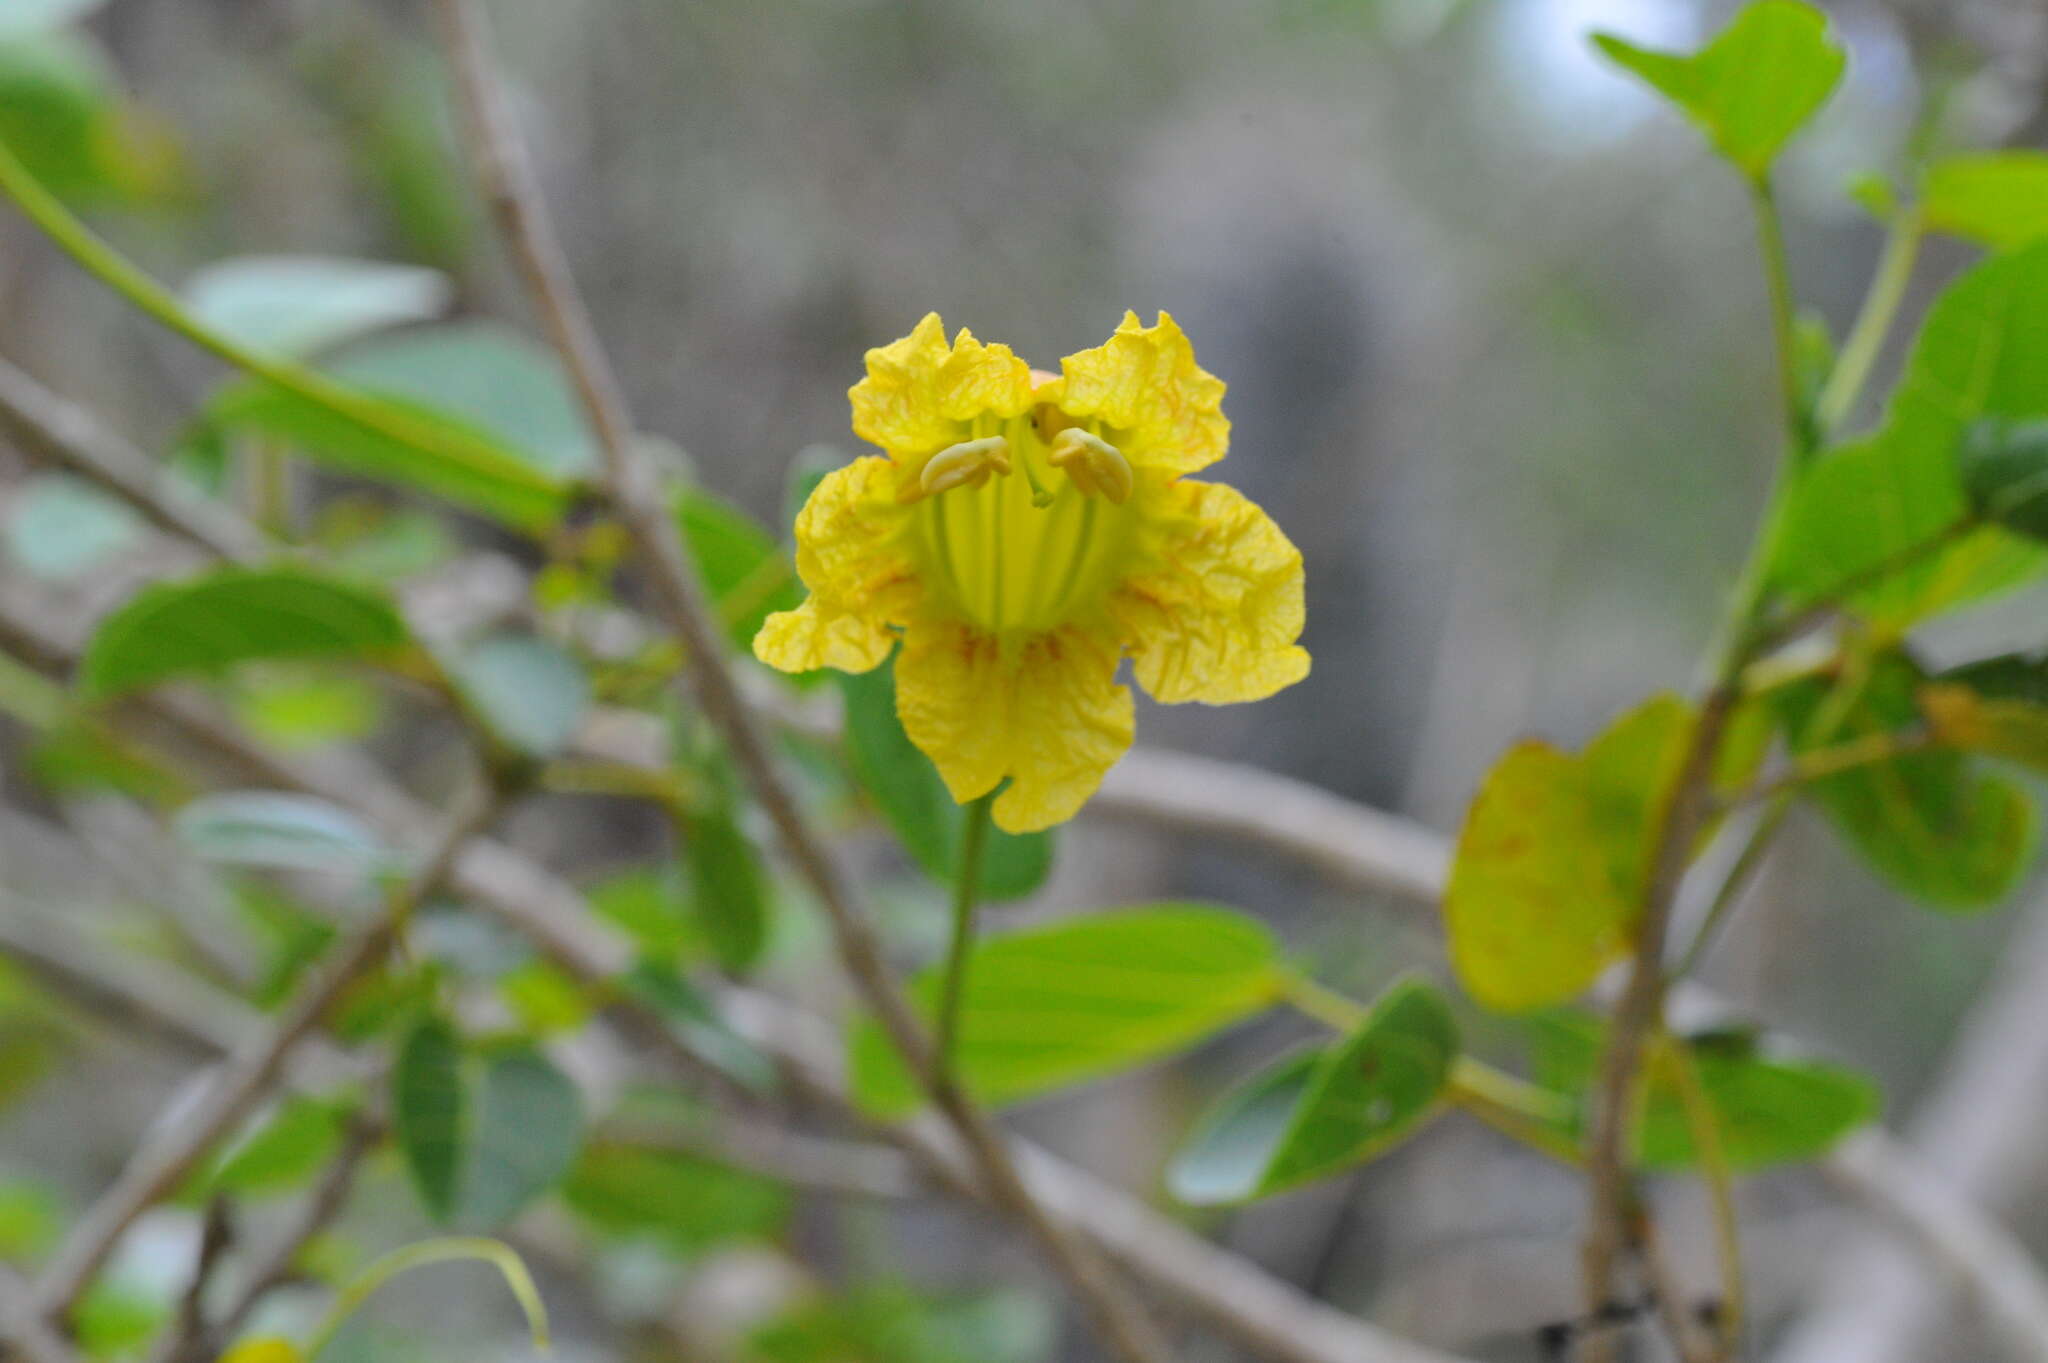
(919, 390)
(850, 552)
(1162, 409)
(1045, 711)
(1214, 611)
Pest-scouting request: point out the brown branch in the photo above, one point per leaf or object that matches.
(516, 202)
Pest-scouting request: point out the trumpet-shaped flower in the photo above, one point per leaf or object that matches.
(1022, 533)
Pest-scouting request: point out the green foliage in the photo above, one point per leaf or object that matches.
(283, 1152)
(1881, 501)
(63, 114)
(728, 887)
(60, 528)
(300, 305)
(1998, 199)
(1319, 1112)
(396, 440)
(1549, 869)
(1752, 87)
(280, 831)
(1082, 998)
(208, 623)
(686, 1204)
(2005, 474)
(1770, 1110)
(430, 1113)
(30, 1220)
(915, 802)
(890, 1323)
(294, 709)
(1996, 706)
(529, 1126)
(742, 565)
(530, 693)
(1934, 825)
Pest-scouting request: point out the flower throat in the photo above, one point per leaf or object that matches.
(1026, 522)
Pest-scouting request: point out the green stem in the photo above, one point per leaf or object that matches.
(1737, 880)
(966, 890)
(111, 268)
(1873, 323)
(383, 1270)
(1325, 1005)
(1778, 276)
(1704, 1125)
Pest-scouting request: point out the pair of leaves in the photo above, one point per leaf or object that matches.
(1769, 1110)
(1943, 831)
(1083, 998)
(915, 802)
(1320, 1111)
(1980, 364)
(1549, 870)
(526, 1131)
(1753, 86)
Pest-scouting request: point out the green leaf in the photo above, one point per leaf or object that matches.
(2005, 473)
(296, 711)
(1930, 822)
(728, 888)
(1300, 1122)
(399, 440)
(1771, 1110)
(699, 1026)
(1982, 354)
(742, 566)
(280, 831)
(59, 527)
(63, 114)
(1550, 867)
(530, 692)
(688, 1204)
(652, 906)
(31, 1219)
(264, 1349)
(1084, 998)
(429, 1111)
(298, 305)
(915, 803)
(529, 1127)
(486, 376)
(1997, 199)
(205, 624)
(284, 1152)
(1752, 87)
(889, 1322)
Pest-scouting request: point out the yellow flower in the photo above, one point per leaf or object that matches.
(1023, 534)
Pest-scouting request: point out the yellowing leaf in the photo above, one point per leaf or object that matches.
(1551, 864)
(263, 1349)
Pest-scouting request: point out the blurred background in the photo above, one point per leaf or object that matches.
(1499, 361)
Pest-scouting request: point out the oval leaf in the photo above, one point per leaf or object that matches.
(60, 527)
(1753, 86)
(728, 889)
(530, 692)
(1930, 822)
(1084, 998)
(295, 305)
(1300, 1122)
(280, 831)
(528, 1129)
(429, 1113)
(235, 615)
(1998, 199)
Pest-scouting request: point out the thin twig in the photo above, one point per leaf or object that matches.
(516, 202)
(164, 1161)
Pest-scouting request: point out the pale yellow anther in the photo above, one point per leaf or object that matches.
(967, 464)
(1095, 466)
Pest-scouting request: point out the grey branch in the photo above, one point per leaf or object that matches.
(170, 1154)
